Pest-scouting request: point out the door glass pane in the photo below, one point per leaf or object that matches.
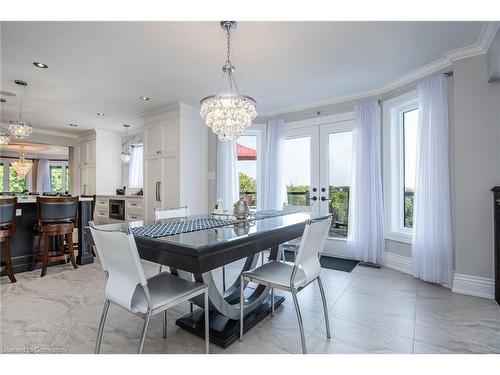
(339, 177)
(1, 177)
(297, 170)
(16, 184)
(67, 178)
(410, 125)
(246, 167)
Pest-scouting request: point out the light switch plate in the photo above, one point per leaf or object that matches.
(19, 212)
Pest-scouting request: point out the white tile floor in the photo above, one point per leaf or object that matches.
(371, 311)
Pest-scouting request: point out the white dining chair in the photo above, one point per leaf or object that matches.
(172, 213)
(292, 245)
(128, 288)
(293, 278)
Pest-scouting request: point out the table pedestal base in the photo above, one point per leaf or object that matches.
(224, 331)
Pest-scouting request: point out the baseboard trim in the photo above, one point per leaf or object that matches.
(474, 286)
(398, 262)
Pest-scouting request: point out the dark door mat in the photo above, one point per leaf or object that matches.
(332, 263)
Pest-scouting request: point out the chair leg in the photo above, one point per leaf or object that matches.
(207, 324)
(92, 250)
(165, 324)
(45, 255)
(69, 239)
(242, 301)
(325, 308)
(7, 260)
(223, 278)
(144, 331)
(101, 326)
(272, 302)
(299, 318)
(191, 307)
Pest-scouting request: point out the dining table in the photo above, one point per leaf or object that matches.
(198, 246)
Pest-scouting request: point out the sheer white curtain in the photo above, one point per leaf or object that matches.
(227, 180)
(135, 168)
(43, 176)
(365, 240)
(432, 248)
(274, 187)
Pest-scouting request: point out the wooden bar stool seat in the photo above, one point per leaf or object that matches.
(7, 230)
(56, 217)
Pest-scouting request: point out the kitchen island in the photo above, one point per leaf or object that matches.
(21, 244)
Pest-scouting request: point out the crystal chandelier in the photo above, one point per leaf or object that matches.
(126, 156)
(22, 166)
(4, 138)
(228, 115)
(20, 128)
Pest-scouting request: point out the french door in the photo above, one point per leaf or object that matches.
(318, 173)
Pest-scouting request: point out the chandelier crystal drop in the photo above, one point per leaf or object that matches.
(22, 166)
(228, 115)
(4, 139)
(20, 129)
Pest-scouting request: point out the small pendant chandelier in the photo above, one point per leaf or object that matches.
(228, 115)
(4, 138)
(126, 156)
(22, 166)
(20, 129)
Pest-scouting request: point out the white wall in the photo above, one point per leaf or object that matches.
(108, 162)
(477, 165)
(193, 161)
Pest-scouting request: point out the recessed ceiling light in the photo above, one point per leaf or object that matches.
(73, 125)
(40, 65)
(100, 114)
(143, 97)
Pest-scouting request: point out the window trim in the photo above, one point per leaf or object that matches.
(393, 166)
(64, 171)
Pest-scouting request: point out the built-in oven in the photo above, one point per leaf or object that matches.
(117, 209)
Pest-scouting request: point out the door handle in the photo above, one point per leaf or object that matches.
(157, 191)
(324, 199)
(313, 198)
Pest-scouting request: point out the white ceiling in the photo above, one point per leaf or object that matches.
(34, 150)
(105, 66)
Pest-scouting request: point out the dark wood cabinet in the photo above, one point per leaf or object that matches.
(496, 203)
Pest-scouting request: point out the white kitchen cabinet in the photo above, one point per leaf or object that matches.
(99, 162)
(175, 160)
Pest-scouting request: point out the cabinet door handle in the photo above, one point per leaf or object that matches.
(158, 188)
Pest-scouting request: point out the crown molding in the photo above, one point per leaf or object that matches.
(486, 36)
(54, 132)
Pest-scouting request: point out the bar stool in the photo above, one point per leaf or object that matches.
(56, 217)
(7, 230)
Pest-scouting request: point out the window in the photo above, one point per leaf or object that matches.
(400, 152)
(59, 176)
(135, 167)
(1, 176)
(16, 184)
(410, 126)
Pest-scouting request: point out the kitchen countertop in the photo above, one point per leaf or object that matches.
(119, 196)
(32, 199)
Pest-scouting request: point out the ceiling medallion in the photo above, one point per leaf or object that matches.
(126, 156)
(228, 115)
(20, 129)
(22, 166)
